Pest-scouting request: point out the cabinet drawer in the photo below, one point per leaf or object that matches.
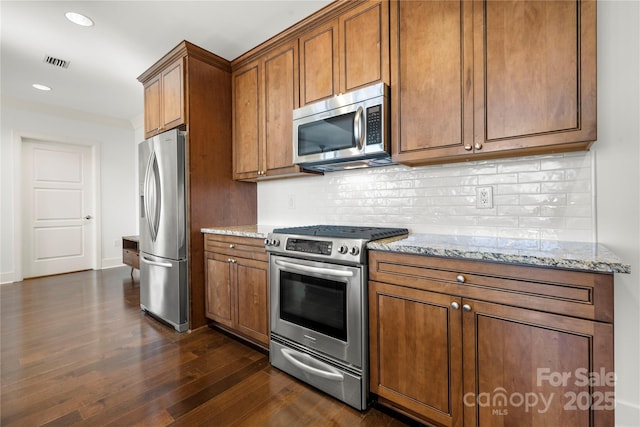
(573, 293)
(244, 247)
(131, 257)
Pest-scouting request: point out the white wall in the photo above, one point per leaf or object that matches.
(117, 180)
(441, 199)
(618, 185)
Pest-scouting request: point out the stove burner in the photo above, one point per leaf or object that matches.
(344, 231)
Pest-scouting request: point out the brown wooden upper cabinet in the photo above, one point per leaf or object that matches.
(164, 106)
(265, 93)
(486, 79)
(341, 48)
(319, 63)
(345, 53)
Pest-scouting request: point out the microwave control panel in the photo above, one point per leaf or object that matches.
(374, 125)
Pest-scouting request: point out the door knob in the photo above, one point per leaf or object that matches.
(88, 217)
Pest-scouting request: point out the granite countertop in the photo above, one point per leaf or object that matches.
(545, 253)
(258, 231)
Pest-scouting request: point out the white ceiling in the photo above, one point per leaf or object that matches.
(128, 37)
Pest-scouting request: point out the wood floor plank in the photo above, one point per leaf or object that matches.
(76, 350)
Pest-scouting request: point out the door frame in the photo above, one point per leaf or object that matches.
(18, 140)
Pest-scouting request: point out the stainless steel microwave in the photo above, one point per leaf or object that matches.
(343, 132)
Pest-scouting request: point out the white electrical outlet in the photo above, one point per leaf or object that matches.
(484, 197)
(116, 243)
(291, 201)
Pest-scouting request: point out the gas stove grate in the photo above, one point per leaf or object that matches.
(344, 231)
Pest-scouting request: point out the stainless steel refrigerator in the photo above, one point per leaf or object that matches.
(164, 291)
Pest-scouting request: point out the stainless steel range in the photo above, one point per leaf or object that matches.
(319, 321)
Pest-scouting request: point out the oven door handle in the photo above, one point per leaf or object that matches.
(329, 373)
(317, 270)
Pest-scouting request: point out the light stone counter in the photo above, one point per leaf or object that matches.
(545, 253)
(258, 231)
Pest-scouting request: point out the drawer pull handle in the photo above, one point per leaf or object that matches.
(460, 278)
(455, 305)
(466, 307)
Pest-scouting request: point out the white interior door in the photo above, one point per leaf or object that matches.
(58, 225)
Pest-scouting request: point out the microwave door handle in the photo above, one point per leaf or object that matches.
(358, 128)
(329, 372)
(317, 270)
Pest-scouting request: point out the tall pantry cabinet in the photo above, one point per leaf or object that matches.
(190, 88)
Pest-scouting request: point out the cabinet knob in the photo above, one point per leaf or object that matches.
(231, 246)
(455, 305)
(231, 261)
(460, 278)
(468, 147)
(478, 146)
(466, 307)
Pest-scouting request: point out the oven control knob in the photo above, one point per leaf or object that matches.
(355, 250)
(267, 242)
(274, 242)
(343, 249)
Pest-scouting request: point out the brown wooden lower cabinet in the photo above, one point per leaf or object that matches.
(237, 289)
(443, 356)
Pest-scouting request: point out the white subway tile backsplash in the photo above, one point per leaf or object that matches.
(534, 197)
(517, 211)
(541, 176)
(518, 188)
(543, 199)
(506, 178)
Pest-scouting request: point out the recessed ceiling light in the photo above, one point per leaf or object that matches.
(41, 87)
(79, 19)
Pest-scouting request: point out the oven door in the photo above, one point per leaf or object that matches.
(319, 306)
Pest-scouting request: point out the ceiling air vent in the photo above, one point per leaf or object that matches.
(56, 62)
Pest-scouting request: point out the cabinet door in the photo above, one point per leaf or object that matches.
(220, 293)
(431, 71)
(152, 107)
(281, 97)
(173, 95)
(535, 74)
(319, 67)
(528, 368)
(253, 299)
(416, 351)
(364, 45)
(247, 124)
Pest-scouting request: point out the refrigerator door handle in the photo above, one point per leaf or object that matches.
(152, 192)
(156, 263)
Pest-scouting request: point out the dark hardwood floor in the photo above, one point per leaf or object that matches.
(77, 350)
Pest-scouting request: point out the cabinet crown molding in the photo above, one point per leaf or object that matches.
(183, 49)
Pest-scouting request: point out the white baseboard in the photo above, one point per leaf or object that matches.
(627, 414)
(9, 277)
(111, 262)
